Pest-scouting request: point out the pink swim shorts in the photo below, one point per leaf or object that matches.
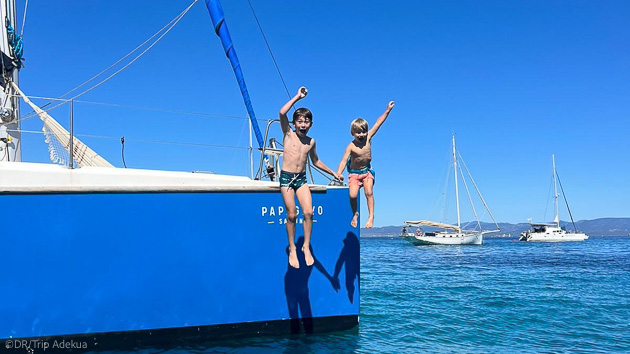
(355, 179)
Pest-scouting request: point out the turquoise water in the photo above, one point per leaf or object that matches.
(504, 296)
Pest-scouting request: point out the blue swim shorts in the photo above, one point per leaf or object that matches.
(292, 179)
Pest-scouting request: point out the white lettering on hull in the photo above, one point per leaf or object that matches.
(271, 211)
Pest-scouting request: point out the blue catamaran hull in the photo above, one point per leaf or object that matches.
(125, 267)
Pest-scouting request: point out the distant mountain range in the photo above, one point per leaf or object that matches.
(596, 227)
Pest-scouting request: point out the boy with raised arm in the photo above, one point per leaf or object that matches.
(357, 159)
(297, 146)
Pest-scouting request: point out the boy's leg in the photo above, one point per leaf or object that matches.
(288, 196)
(354, 193)
(368, 186)
(306, 206)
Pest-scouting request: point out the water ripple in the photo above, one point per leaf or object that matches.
(501, 297)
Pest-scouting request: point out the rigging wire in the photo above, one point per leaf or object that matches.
(148, 141)
(483, 201)
(168, 27)
(121, 59)
(269, 49)
(163, 110)
(32, 114)
(472, 205)
(24, 20)
(565, 200)
(244, 127)
(167, 142)
(139, 55)
(320, 172)
(165, 30)
(275, 63)
(440, 200)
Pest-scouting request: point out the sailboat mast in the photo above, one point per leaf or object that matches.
(555, 190)
(220, 28)
(10, 47)
(456, 188)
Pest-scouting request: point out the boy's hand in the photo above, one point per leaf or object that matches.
(338, 176)
(302, 92)
(390, 105)
(334, 281)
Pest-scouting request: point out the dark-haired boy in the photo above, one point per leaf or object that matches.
(297, 147)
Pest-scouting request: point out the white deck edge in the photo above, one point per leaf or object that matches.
(25, 177)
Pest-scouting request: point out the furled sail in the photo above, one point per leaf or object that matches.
(434, 224)
(220, 28)
(58, 140)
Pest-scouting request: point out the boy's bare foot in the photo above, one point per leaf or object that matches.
(368, 224)
(354, 221)
(293, 260)
(308, 257)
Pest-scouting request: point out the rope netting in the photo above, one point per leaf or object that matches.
(58, 140)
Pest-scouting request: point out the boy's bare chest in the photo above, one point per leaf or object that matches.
(293, 144)
(364, 150)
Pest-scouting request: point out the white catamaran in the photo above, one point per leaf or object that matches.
(451, 234)
(552, 232)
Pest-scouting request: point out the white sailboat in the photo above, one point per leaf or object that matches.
(136, 257)
(451, 234)
(552, 232)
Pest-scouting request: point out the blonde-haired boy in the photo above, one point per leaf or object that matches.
(357, 158)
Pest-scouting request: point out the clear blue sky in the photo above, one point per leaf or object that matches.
(515, 80)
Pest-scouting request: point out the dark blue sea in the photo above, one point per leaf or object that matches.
(504, 296)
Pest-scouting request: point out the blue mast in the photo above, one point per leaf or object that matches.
(220, 28)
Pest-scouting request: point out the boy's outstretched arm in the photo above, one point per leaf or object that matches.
(380, 120)
(344, 159)
(284, 120)
(319, 164)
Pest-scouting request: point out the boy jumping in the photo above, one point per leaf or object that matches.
(357, 158)
(297, 146)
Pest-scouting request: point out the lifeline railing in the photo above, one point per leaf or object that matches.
(273, 152)
(273, 167)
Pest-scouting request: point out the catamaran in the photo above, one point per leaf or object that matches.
(552, 232)
(450, 234)
(114, 257)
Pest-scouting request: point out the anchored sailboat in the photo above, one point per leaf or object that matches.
(552, 232)
(450, 234)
